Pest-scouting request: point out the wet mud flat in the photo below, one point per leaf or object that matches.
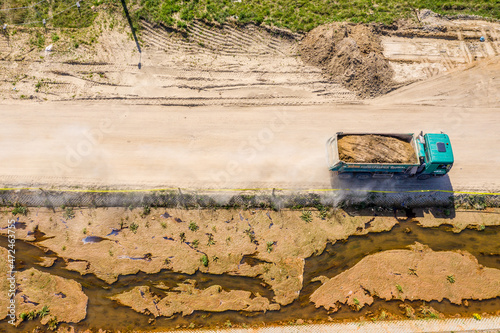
(268, 277)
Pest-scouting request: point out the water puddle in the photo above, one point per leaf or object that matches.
(93, 239)
(108, 315)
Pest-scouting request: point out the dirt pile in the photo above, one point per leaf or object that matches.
(415, 274)
(351, 53)
(39, 292)
(375, 149)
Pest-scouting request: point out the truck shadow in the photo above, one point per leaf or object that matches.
(441, 184)
(404, 214)
(407, 198)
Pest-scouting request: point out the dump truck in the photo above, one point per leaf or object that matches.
(387, 155)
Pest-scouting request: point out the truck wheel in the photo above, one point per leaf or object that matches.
(402, 176)
(363, 176)
(345, 175)
(423, 177)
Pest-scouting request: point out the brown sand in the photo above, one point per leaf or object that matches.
(375, 149)
(37, 289)
(186, 299)
(351, 53)
(415, 274)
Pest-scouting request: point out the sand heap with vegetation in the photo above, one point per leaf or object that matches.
(415, 274)
(43, 295)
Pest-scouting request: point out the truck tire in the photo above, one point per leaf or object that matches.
(363, 175)
(423, 177)
(346, 175)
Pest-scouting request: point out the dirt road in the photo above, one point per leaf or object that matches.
(106, 145)
(228, 114)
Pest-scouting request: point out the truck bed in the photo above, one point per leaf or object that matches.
(376, 148)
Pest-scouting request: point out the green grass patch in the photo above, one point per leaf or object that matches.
(19, 209)
(302, 15)
(57, 13)
(297, 15)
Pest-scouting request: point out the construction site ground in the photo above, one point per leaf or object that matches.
(236, 107)
(231, 108)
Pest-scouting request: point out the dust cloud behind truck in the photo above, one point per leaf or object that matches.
(374, 155)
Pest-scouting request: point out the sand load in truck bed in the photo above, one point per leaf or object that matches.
(375, 149)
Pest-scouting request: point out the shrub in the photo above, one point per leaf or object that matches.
(19, 209)
(306, 216)
(43, 312)
(204, 260)
(68, 213)
(193, 226)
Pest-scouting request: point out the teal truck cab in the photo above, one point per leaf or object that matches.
(433, 158)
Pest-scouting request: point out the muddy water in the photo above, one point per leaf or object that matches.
(106, 314)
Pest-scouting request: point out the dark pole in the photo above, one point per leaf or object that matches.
(133, 30)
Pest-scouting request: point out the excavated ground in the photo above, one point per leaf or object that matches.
(237, 66)
(241, 66)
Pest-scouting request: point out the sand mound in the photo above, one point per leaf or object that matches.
(352, 54)
(415, 274)
(375, 149)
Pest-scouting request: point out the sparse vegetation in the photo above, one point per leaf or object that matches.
(306, 216)
(38, 40)
(251, 234)
(19, 209)
(323, 213)
(43, 312)
(211, 240)
(146, 210)
(133, 227)
(52, 323)
(269, 246)
(193, 226)
(450, 278)
(163, 225)
(31, 315)
(196, 243)
(182, 237)
(399, 288)
(204, 260)
(68, 213)
(428, 313)
(478, 202)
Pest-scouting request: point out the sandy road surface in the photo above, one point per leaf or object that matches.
(214, 147)
(169, 124)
